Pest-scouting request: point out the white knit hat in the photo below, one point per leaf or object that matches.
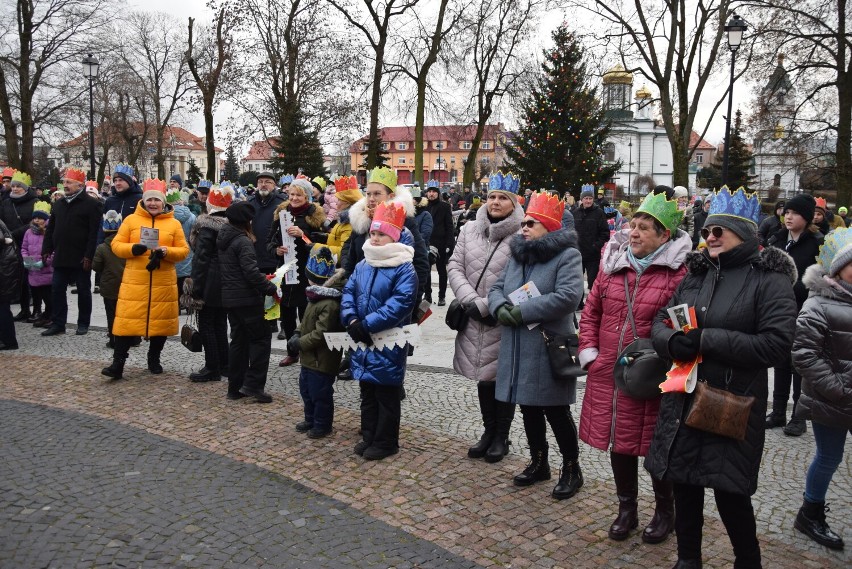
(841, 259)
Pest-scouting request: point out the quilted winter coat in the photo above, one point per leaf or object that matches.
(110, 267)
(610, 420)
(148, 300)
(746, 308)
(554, 264)
(382, 298)
(31, 247)
(478, 345)
(822, 351)
(206, 276)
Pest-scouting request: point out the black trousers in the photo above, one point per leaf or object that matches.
(213, 327)
(43, 294)
(784, 374)
(737, 514)
(562, 423)
(381, 409)
(24, 296)
(591, 266)
(7, 325)
(251, 346)
(124, 343)
(109, 307)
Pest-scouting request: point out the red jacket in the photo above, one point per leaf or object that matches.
(609, 419)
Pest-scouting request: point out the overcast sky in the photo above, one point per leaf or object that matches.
(184, 9)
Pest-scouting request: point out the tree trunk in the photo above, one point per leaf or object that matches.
(680, 161)
(419, 120)
(373, 139)
(212, 166)
(844, 139)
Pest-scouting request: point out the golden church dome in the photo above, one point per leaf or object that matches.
(618, 76)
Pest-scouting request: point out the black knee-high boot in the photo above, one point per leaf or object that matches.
(625, 472)
(485, 393)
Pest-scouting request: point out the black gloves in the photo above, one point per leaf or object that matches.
(138, 249)
(685, 347)
(154, 259)
(358, 332)
(472, 310)
(293, 347)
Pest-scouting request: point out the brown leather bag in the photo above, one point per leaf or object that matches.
(719, 411)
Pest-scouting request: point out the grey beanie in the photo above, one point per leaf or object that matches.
(744, 228)
(841, 259)
(587, 194)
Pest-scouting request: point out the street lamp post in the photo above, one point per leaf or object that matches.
(629, 165)
(90, 72)
(439, 145)
(735, 28)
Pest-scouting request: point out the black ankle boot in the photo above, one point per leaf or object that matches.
(778, 416)
(115, 370)
(154, 364)
(485, 392)
(811, 522)
(570, 480)
(536, 471)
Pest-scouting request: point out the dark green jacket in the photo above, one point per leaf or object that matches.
(110, 266)
(322, 315)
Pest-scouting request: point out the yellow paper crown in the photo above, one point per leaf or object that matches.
(42, 206)
(385, 176)
(23, 178)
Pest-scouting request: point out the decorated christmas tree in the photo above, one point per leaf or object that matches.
(563, 131)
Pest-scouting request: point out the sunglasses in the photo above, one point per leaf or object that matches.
(529, 223)
(716, 231)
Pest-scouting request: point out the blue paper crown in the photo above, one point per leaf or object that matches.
(834, 242)
(112, 220)
(125, 169)
(286, 179)
(433, 183)
(739, 204)
(227, 184)
(320, 263)
(495, 182)
(504, 182)
(205, 184)
(239, 194)
(587, 188)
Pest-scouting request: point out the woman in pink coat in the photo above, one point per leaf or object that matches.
(650, 253)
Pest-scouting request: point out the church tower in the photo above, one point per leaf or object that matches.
(617, 85)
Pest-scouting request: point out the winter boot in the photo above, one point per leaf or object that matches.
(778, 416)
(625, 471)
(485, 391)
(570, 480)
(537, 470)
(662, 524)
(796, 427)
(154, 363)
(116, 369)
(811, 522)
(504, 413)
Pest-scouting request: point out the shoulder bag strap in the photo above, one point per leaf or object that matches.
(629, 311)
(482, 274)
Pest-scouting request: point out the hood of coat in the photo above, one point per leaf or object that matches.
(315, 215)
(509, 225)
(227, 234)
(770, 259)
(213, 221)
(673, 254)
(182, 213)
(543, 249)
(361, 221)
(333, 287)
(817, 281)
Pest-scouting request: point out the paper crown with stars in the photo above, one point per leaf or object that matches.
(834, 242)
(433, 183)
(383, 175)
(508, 182)
(663, 210)
(285, 179)
(74, 174)
(205, 184)
(112, 221)
(320, 264)
(738, 204)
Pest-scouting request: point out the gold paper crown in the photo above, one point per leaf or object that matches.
(74, 174)
(155, 185)
(42, 206)
(663, 210)
(385, 176)
(545, 205)
(23, 178)
(390, 212)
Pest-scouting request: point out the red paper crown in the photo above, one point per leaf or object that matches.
(221, 197)
(92, 184)
(74, 174)
(820, 203)
(390, 212)
(545, 205)
(8, 172)
(345, 183)
(153, 184)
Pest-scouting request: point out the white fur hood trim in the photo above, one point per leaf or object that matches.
(358, 212)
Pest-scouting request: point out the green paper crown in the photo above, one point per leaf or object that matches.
(385, 176)
(834, 242)
(663, 210)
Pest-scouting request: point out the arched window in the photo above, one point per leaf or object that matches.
(609, 152)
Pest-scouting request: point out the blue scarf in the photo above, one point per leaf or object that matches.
(639, 265)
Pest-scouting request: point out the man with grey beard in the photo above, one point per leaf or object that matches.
(264, 200)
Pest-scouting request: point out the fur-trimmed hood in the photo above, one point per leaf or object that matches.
(213, 221)
(543, 249)
(769, 259)
(333, 287)
(817, 281)
(315, 215)
(503, 228)
(358, 212)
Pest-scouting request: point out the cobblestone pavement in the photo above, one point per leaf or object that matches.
(429, 491)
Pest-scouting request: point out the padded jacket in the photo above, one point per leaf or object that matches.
(610, 420)
(592, 230)
(206, 275)
(804, 253)
(242, 282)
(322, 315)
(17, 213)
(822, 351)
(264, 212)
(746, 310)
(31, 247)
(72, 231)
(148, 300)
(110, 267)
(124, 203)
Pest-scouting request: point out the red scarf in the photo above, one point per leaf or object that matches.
(296, 211)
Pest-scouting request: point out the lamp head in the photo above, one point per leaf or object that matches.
(90, 66)
(735, 28)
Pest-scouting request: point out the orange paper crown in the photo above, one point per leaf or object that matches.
(820, 203)
(345, 183)
(547, 209)
(92, 184)
(153, 184)
(390, 212)
(8, 172)
(74, 174)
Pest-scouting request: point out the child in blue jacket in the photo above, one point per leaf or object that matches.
(380, 296)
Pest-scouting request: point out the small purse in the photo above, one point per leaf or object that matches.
(190, 337)
(562, 355)
(719, 411)
(457, 318)
(639, 370)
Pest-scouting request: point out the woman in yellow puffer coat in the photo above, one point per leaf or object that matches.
(148, 297)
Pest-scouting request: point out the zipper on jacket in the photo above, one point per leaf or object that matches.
(150, 291)
(480, 325)
(624, 325)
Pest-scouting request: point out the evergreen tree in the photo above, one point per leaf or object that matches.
(560, 142)
(232, 167)
(297, 148)
(382, 157)
(739, 163)
(193, 173)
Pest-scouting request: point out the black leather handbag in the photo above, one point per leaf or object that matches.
(562, 354)
(190, 337)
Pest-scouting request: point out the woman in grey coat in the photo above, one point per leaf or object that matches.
(484, 241)
(546, 255)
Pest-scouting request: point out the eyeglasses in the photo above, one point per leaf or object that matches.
(715, 230)
(529, 223)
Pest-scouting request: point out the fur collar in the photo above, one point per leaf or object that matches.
(816, 279)
(390, 255)
(544, 249)
(324, 292)
(503, 228)
(770, 259)
(213, 221)
(314, 216)
(358, 212)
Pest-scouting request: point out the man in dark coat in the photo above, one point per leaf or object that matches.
(772, 224)
(700, 217)
(71, 237)
(443, 239)
(125, 197)
(264, 200)
(593, 231)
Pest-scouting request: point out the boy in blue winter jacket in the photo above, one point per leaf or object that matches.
(380, 296)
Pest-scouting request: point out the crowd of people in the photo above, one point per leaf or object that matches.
(525, 271)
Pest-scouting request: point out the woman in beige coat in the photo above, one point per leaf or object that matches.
(478, 344)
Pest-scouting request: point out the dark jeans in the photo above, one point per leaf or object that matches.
(7, 325)
(317, 391)
(251, 346)
(737, 514)
(43, 294)
(591, 266)
(288, 319)
(62, 277)
(381, 410)
(213, 327)
(562, 423)
(109, 308)
(781, 387)
(830, 443)
(124, 343)
(24, 295)
(441, 266)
